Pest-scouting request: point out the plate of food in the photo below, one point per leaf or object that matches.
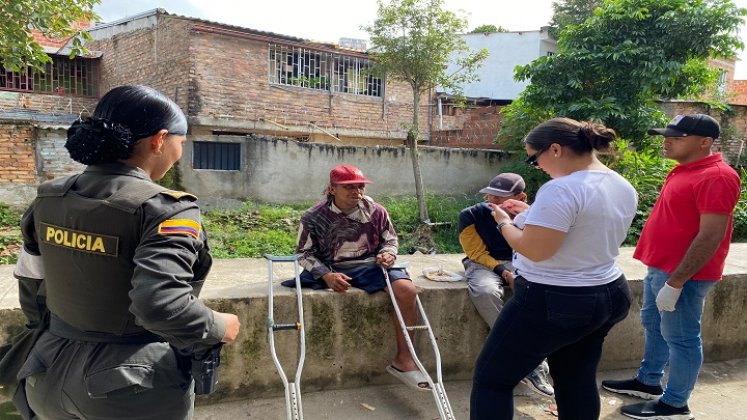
(439, 274)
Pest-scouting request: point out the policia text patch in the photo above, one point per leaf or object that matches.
(79, 241)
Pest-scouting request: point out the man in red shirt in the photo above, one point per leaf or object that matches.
(684, 244)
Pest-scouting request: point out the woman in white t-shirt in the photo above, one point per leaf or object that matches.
(568, 292)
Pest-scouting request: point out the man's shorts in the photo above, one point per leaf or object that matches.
(368, 277)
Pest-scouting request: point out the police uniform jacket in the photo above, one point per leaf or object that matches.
(121, 259)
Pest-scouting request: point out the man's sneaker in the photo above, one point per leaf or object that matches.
(537, 380)
(634, 387)
(656, 410)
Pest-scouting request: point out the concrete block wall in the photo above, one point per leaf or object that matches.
(287, 171)
(303, 167)
(48, 103)
(52, 159)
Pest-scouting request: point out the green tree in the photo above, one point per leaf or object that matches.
(488, 29)
(618, 63)
(414, 42)
(53, 18)
(570, 12)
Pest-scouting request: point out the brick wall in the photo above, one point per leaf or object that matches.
(17, 153)
(230, 81)
(739, 92)
(470, 127)
(221, 81)
(157, 56)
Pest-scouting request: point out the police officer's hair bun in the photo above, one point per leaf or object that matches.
(581, 136)
(95, 140)
(124, 116)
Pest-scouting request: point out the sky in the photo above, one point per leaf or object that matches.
(330, 20)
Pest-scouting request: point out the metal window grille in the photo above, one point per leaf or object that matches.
(217, 156)
(296, 66)
(78, 76)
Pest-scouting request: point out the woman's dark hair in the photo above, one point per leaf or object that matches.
(581, 136)
(122, 117)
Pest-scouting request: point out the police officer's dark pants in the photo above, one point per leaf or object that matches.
(69, 379)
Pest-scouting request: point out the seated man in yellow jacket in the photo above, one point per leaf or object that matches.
(488, 262)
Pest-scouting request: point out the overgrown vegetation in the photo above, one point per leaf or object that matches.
(616, 65)
(417, 42)
(256, 229)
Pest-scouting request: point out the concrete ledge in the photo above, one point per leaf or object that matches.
(350, 338)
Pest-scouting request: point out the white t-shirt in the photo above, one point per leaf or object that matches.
(595, 209)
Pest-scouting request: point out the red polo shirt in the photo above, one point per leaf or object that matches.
(706, 186)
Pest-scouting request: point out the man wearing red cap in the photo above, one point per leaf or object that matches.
(343, 241)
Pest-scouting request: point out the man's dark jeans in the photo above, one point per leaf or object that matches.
(566, 325)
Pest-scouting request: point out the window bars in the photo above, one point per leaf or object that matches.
(313, 69)
(78, 77)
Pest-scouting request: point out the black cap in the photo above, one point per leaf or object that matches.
(689, 125)
(505, 185)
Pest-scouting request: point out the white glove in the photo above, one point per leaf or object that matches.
(667, 298)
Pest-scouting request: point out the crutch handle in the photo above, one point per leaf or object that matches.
(294, 326)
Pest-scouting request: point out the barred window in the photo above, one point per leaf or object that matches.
(215, 155)
(296, 66)
(78, 76)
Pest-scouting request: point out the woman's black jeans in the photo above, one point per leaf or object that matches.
(566, 325)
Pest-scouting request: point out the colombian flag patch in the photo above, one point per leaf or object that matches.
(180, 227)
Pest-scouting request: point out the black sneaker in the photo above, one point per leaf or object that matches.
(633, 387)
(656, 410)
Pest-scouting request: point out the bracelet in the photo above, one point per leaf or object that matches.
(500, 225)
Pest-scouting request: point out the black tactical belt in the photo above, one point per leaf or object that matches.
(62, 329)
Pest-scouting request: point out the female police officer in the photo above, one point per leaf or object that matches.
(122, 260)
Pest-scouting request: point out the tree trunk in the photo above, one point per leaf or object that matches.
(412, 143)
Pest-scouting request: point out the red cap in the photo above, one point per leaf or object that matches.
(347, 174)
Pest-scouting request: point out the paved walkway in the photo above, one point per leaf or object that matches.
(721, 394)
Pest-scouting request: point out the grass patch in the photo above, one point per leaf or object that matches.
(253, 230)
(256, 229)
(442, 210)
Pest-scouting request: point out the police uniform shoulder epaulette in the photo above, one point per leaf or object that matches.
(56, 187)
(178, 195)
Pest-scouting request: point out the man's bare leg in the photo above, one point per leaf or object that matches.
(405, 293)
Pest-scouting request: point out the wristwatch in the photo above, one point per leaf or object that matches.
(500, 225)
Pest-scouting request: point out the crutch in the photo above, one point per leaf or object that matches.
(293, 407)
(437, 388)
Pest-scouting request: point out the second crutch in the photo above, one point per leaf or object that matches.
(293, 406)
(437, 388)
